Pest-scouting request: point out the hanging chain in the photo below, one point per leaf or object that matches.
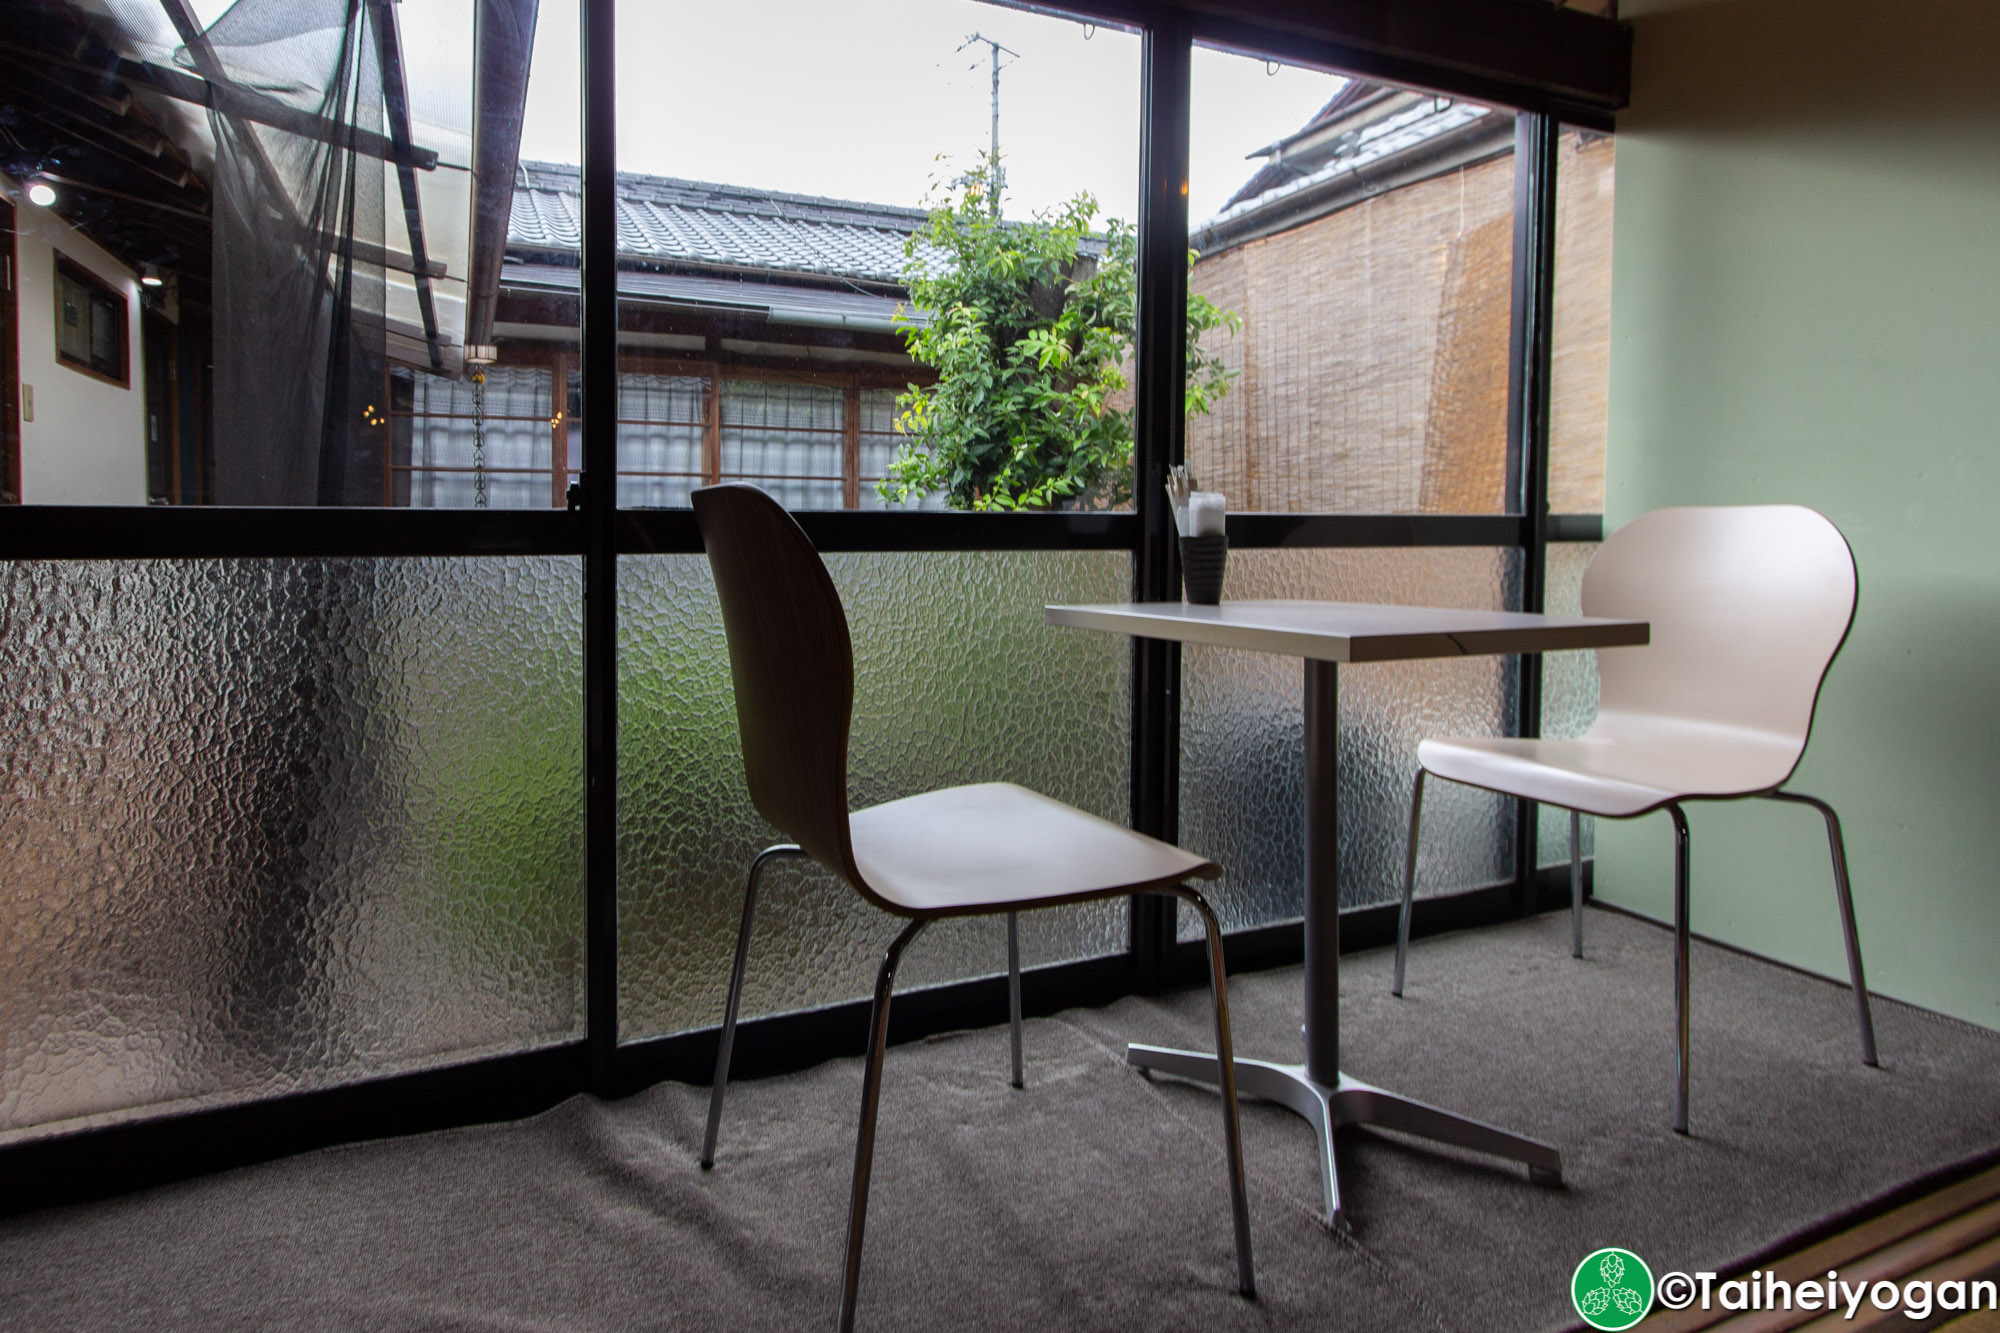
(479, 439)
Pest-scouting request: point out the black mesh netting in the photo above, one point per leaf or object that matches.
(299, 291)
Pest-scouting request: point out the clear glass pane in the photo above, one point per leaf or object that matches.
(877, 441)
(1569, 691)
(262, 299)
(275, 825)
(471, 443)
(1243, 747)
(1369, 259)
(514, 439)
(957, 680)
(788, 438)
(1581, 371)
(662, 428)
(813, 279)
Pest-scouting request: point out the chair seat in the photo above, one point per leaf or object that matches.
(1618, 776)
(994, 845)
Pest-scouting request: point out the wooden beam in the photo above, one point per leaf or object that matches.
(1528, 56)
(711, 429)
(244, 104)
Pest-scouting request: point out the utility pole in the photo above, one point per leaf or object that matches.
(999, 173)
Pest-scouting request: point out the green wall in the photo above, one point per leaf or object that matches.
(1806, 307)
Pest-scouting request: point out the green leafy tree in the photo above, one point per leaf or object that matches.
(1028, 325)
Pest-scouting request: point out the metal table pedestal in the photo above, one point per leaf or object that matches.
(1317, 1090)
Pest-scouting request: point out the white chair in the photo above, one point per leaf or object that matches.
(981, 850)
(1748, 606)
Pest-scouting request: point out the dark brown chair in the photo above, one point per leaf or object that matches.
(964, 851)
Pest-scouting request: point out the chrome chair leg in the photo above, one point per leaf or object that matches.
(1014, 991)
(1409, 883)
(1239, 1198)
(1838, 844)
(1681, 962)
(871, 1096)
(1575, 884)
(728, 1042)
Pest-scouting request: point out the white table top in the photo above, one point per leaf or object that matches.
(1353, 631)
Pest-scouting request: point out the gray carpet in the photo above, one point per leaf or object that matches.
(1094, 1199)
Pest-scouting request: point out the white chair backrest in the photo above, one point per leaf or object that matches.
(1748, 606)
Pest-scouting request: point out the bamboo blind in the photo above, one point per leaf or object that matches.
(1372, 365)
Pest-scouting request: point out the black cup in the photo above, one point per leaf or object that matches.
(1202, 562)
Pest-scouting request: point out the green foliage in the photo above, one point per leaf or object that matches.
(1028, 327)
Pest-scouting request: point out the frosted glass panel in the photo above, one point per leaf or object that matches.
(279, 824)
(957, 680)
(1569, 691)
(1243, 749)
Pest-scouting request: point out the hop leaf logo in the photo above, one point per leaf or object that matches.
(1612, 1289)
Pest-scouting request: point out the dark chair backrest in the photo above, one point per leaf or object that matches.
(792, 663)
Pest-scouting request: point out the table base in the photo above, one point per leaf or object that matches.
(1352, 1102)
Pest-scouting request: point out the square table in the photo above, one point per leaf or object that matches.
(1326, 634)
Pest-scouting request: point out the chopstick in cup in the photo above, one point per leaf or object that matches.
(1180, 485)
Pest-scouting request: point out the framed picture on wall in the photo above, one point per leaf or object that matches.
(91, 324)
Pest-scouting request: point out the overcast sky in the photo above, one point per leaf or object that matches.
(872, 100)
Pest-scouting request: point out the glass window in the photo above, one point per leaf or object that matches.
(1569, 692)
(666, 433)
(1359, 265)
(335, 825)
(322, 257)
(90, 322)
(791, 439)
(496, 427)
(957, 680)
(1580, 376)
(1243, 748)
(473, 445)
(821, 283)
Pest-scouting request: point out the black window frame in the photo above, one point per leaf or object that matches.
(1565, 67)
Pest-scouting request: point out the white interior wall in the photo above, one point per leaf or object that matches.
(87, 441)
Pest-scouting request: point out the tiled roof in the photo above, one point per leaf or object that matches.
(1276, 171)
(669, 221)
(778, 302)
(1368, 140)
(1370, 145)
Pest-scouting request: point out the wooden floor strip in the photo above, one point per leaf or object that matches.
(1980, 1263)
(1936, 1231)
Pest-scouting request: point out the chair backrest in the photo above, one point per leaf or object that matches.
(1748, 606)
(792, 663)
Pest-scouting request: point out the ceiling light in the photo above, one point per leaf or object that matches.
(40, 192)
(149, 276)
